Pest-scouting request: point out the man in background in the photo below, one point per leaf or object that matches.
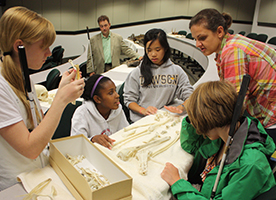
(107, 48)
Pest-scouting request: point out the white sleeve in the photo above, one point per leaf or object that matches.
(131, 87)
(184, 88)
(10, 107)
(79, 124)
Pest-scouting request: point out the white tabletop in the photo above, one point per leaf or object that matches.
(136, 47)
(151, 186)
(119, 74)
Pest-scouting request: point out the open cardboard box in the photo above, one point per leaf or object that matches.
(120, 182)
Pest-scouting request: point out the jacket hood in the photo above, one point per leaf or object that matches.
(91, 107)
(250, 134)
(166, 64)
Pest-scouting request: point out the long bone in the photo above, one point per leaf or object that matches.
(152, 138)
(127, 134)
(145, 132)
(128, 128)
(36, 191)
(132, 137)
(129, 152)
(162, 149)
(144, 156)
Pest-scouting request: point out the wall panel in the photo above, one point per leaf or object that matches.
(33, 5)
(181, 7)
(121, 12)
(52, 11)
(137, 10)
(167, 8)
(105, 7)
(87, 14)
(246, 10)
(73, 15)
(69, 16)
(267, 11)
(152, 10)
(230, 7)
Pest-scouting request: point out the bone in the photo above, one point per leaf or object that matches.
(152, 138)
(145, 132)
(162, 149)
(127, 134)
(128, 128)
(41, 92)
(130, 138)
(143, 157)
(129, 152)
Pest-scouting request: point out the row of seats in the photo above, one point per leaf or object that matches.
(260, 37)
(189, 35)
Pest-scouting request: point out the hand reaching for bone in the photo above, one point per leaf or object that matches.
(170, 174)
(103, 140)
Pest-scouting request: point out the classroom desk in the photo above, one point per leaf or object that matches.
(119, 74)
(151, 186)
(136, 47)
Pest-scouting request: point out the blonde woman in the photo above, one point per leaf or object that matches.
(20, 142)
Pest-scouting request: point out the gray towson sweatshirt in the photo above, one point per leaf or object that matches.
(169, 81)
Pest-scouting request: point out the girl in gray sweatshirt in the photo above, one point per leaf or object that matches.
(156, 82)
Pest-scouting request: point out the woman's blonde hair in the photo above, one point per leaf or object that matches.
(30, 27)
(212, 105)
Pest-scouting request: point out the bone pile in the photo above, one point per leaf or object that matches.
(158, 139)
(94, 178)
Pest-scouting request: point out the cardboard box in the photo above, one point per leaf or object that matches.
(120, 182)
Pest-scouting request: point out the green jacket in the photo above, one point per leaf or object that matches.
(246, 173)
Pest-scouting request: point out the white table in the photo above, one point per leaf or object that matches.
(119, 74)
(151, 186)
(136, 47)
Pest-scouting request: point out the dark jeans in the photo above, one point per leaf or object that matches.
(107, 66)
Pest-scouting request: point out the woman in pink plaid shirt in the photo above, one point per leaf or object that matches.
(237, 55)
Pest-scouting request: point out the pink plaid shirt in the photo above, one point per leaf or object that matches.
(241, 55)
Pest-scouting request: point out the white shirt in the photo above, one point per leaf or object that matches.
(12, 111)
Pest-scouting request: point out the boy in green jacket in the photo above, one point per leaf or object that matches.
(246, 173)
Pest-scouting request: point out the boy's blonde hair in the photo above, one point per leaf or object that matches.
(22, 23)
(212, 105)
